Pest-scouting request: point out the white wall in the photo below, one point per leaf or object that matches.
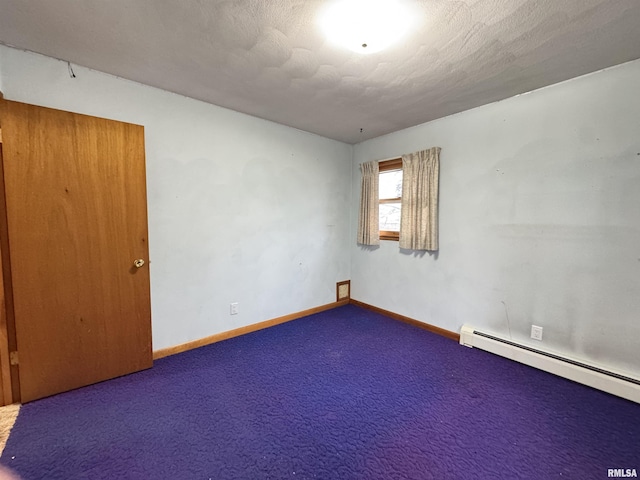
(240, 209)
(1, 68)
(539, 221)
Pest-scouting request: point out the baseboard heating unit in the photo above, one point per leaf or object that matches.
(603, 379)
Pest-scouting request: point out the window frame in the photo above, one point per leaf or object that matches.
(387, 166)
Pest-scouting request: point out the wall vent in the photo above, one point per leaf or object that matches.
(343, 290)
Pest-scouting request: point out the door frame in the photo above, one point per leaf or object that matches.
(9, 374)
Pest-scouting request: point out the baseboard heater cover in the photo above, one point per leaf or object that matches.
(603, 379)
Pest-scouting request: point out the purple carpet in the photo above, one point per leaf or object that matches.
(344, 394)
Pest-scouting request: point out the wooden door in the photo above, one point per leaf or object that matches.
(76, 222)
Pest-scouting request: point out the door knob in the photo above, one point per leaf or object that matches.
(138, 263)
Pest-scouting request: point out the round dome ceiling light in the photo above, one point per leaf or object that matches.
(367, 26)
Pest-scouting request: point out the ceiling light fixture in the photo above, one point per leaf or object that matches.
(367, 26)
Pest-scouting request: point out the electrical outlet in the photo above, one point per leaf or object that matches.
(536, 332)
(234, 308)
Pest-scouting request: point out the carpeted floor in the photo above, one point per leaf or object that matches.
(344, 394)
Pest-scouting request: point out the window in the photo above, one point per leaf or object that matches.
(390, 194)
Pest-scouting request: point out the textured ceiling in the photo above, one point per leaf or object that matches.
(269, 59)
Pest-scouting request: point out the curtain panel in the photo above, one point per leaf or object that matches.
(419, 214)
(368, 221)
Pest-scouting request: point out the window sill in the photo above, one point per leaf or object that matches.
(394, 236)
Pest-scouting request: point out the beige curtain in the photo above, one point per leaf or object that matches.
(368, 221)
(419, 214)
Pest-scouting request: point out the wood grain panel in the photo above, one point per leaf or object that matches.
(5, 372)
(6, 390)
(9, 374)
(76, 213)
